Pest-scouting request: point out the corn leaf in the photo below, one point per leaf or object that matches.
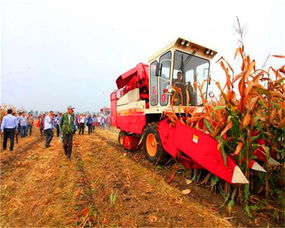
(238, 148)
(278, 56)
(228, 127)
(221, 107)
(246, 120)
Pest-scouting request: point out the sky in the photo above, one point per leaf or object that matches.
(56, 53)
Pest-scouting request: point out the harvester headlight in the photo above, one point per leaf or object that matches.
(182, 42)
(187, 44)
(207, 52)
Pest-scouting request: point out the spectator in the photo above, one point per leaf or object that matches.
(48, 128)
(8, 127)
(30, 123)
(42, 123)
(23, 125)
(82, 124)
(59, 119)
(98, 121)
(56, 124)
(103, 122)
(89, 124)
(39, 121)
(18, 121)
(93, 122)
(67, 129)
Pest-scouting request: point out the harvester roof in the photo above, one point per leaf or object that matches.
(187, 46)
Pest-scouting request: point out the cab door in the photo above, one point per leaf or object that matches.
(164, 79)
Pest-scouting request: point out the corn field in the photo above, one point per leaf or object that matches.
(245, 122)
(4, 108)
(3, 111)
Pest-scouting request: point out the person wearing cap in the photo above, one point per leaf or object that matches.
(8, 127)
(48, 128)
(67, 129)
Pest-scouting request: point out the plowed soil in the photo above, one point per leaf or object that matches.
(101, 185)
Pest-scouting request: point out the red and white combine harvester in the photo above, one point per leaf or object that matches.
(105, 111)
(144, 93)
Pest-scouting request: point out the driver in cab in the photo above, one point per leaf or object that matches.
(179, 82)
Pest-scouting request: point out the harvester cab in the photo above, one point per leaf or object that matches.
(170, 82)
(179, 68)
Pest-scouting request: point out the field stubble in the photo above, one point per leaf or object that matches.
(101, 185)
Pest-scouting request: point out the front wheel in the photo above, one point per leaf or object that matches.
(152, 145)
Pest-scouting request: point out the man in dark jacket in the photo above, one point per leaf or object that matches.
(67, 129)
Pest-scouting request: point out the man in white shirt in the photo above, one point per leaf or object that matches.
(23, 124)
(8, 126)
(48, 128)
(82, 124)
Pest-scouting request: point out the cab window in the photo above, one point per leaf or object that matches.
(153, 84)
(165, 61)
(188, 71)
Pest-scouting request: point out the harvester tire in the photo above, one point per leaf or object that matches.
(121, 137)
(152, 146)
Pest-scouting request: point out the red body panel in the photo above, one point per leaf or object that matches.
(113, 99)
(260, 154)
(135, 78)
(125, 78)
(259, 151)
(250, 163)
(166, 133)
(197, 146)
(131, 123)
(131, 142)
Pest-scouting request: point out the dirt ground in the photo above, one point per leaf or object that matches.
(102, 184)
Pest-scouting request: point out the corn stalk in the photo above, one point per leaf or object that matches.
(241, 120)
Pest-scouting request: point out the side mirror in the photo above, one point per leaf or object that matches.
(211, 94)
(209, 81)
(158, 69)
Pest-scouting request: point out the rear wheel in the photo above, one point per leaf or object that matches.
(152, 145)
(121, 137)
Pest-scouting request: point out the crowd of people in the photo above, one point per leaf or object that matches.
(14, 124)
(63, 125)
(82, 122)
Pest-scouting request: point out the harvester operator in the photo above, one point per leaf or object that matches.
(179, 82)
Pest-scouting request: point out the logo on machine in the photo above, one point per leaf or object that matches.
(195, 139)
(163, 98)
